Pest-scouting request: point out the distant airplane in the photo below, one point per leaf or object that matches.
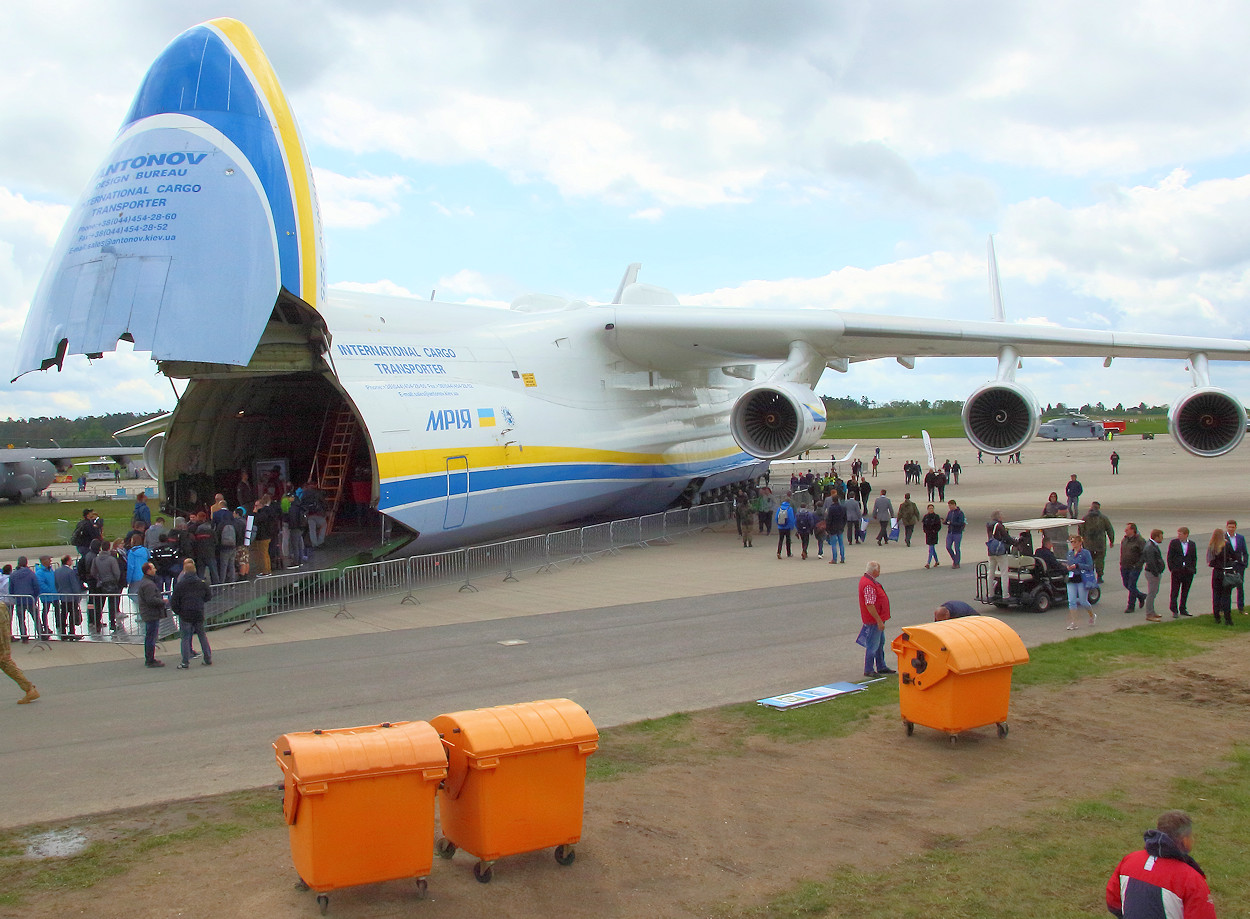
(199, 240)
(1072, 427)
(25, 473)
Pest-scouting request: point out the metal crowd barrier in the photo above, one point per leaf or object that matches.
(256, 598)
(125, 626)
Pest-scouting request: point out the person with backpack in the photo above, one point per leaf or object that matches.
(804, 524)
(227, 542)
(297, 524)
(204, 550)
(785, 526)
(188, 600)
(106, 573)
(90, 527)
(835, 523)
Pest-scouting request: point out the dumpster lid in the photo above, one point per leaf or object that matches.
(379, 749)
(516, 728)
(967, 644)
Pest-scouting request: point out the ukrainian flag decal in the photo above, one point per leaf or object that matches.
(485, 417)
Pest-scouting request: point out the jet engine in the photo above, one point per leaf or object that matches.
(1207, 421)
(775, 420)
(1001, 417)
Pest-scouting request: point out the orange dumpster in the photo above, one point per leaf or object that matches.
(359, 803)
(956, 675)
(516, 778)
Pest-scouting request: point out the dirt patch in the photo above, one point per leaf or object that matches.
(733, 829)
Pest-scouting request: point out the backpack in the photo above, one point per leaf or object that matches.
(228, 536)
(783, 516)
(805, 521)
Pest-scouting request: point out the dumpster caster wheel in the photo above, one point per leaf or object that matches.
(565, 855)
(1002, 730)
(323, 903)
(301, 885)
(423, 887)
(444, 847)
(910, 727)
(954, 739)
(482, 872)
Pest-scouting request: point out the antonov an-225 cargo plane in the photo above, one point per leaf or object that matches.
(199, 240)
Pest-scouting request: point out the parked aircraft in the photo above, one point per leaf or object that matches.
(199, 240)
(26, 472)
(1072, 427)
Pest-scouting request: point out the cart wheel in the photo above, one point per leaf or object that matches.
(1093, 595)
(444, 847)
(482, 872)
(423, 887)
(1002, 729)
(910, 727)
(1041, 601)
(565, 855)
(323, 903)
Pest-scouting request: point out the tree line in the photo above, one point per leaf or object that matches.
(91, 431)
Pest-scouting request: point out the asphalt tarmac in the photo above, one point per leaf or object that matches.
(645, 633)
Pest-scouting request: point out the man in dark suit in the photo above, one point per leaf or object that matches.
(1237, 543)
(1182, 562)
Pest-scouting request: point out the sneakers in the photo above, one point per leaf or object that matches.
(1153, 617)
(154, 663)
(887, 671)
(31, 695)
(1187, 614)
(1093, 617)
(927, 564)
(184, 666)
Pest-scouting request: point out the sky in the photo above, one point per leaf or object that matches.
(852, 155)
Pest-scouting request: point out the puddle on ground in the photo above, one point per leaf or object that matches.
(56, 844)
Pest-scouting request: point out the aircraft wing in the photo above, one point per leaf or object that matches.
(674, 337)
(116, 453)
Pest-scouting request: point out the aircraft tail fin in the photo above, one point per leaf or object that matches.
(996, 292)
(202, 213)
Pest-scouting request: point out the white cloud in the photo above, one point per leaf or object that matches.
(384, 287)
(357, 201)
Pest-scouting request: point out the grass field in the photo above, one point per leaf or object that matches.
(37, 523)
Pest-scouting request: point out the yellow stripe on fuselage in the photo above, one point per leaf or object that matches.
(298, 169)
(408, 463)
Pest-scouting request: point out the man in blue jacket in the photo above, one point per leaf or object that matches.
(24, 588)
(785, 526)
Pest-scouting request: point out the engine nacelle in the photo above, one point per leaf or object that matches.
(775, 420)
(154, 454)
(1207, 421)
(1001, 417)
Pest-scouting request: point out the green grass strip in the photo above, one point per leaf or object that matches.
(1055, 868)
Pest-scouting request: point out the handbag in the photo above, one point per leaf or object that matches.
(1089, 578)
(1231, 578)
(995, 546)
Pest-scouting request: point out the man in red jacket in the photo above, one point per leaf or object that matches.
(874, 612)
(1161, 879)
